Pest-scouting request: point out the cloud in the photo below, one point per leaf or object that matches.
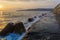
(30, 4)
(25, 0)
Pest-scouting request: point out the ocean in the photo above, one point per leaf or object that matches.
(48, 21)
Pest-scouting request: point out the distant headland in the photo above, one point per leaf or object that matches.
(37, 9)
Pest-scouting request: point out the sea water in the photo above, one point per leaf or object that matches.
(46, 22)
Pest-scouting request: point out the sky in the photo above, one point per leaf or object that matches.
(28, 4)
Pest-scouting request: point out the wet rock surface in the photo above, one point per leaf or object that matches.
(45, 29)
(42, 36)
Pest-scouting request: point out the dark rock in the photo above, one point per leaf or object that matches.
(35, 17)
(43, 14)
(19, 28)
(8, 29)
(57, 16)
(33, 36)
(40, 16)
(56, 11)
(30, 19)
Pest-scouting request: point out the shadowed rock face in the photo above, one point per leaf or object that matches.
(8, 29)
(19, 28)
(57, 13)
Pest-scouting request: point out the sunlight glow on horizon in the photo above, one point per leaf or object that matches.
(27, 4)
(1, 6)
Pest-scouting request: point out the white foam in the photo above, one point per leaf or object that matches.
(29, 24)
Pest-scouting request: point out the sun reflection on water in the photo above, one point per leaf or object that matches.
(2, 23)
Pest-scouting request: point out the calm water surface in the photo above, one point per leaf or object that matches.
(48, 20)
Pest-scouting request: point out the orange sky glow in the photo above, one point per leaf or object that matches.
(29, 4)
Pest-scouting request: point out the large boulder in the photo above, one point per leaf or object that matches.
(19, 28)
(57, 9)
(30, 19)
(57, 13)
(8, 29)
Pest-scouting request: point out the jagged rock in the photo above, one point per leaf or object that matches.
(8, 29)
(57, 9)
(19, 28)
(57, 13)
